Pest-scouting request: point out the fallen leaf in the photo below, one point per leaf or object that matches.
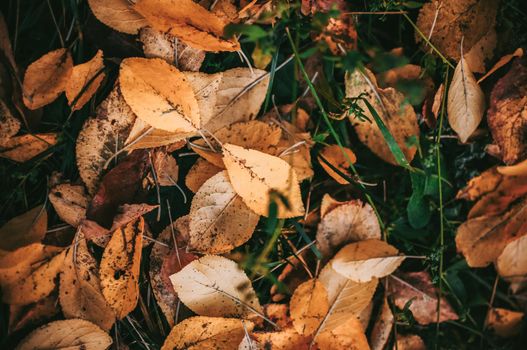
(219, 219)
(102, 137)
(166, 168)
(308, 306)
(512, 262)
(29, 227)
(32, 315)
(349, 335)
(9, 125)
(409, 342)
(507, 114)
(254, 175)
(118, 15)
(346, 222)
(519, 169)
(70, 202)
(168, 47)
(279, 314)
(46, 78)
(159, 94)
(205, 87)
(201, 332)
(143, 136)
(364, 260)
(505, 323)
(84, 81)
(465, 102)
(502, 62)
(334, 155)
(294, 148)
(25, 147)
(216, 286)
(417, 289)
(398, 116)
(282, 340)
(67, 334)
(119, 270)
(382, 328)
(80, 293)
(188, 21)
(200, 172)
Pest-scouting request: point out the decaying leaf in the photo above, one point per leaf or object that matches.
(344, 223)
(188, 21)
(349, 335)
(466, 102)
(25, 147)
(364, 260)
(382, 328)
(512, 262)
(398, 116)
(34, 314)
(207, 333)
(216, 286)
(309, 304)
(255, 175)
(505, 323)
(417, 289)
(200, 172)
(80, 293)
(507, 114)
(67, 334)
(335, 156)
(70, 202)
(46, 78)
(159, 94)
(119, 270)
(102, 137)
(29, 227)
(219, 219)
(168, 47)
(84, 81)
(118, 15)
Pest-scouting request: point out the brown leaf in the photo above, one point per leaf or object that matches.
(201, 332)
(309, 304)
(410, 342)
(335, 156)
(347, 336)
(188, 21)
(25, 147)
(382, 328)
(24, 229)
(398, 116)
(143, 136)
(505, 323)
(200, 172)
(166, 168)
(502, 62)
(80, 291)
(344, 223)
(285, 339)
(254, 175)
(168, 47)
(507, 114)
(31, 315)
(417, 287)
(70, 202)
(67, 334)
(84, 81)
(117, 14)
(465, 102)
(519, 169)
(46, 78)
(294, 148)
(512, 261)
(159, 94)
(119, 270)
(9, 125)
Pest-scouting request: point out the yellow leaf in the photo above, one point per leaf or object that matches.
(200, 172)
(25, 147)
(505, 323)
(347, 336)
(118, 15)
(308, 306)
(24, 229)
(70, 202)
(334, 155)
(78, 92)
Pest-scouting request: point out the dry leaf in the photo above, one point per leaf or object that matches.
(201, 332)
(502, 62)
(25, 147)
(254, 175)
(364, 260)
(70, 202)
(24, 229)
(143, 136)
(481, 240)
(9, 125)
(345, 223)
(200, 172)
(465, 103)
(119, 270)
(417, 288)
(294, 148)
(216, 286)
(84, 81)
(409, 342)
(32, 315)
(168, 47)
(71, 334)
(159, 94)
(205, 87)
(46, 78)
(512, 262)
(507, 114)
(349, 335)
(283, 340)
(118, 15)
(309, 305)
(80, 291)
(188, 21)
(102, 137)
(382, 328)
(335, 156)
(219, 219)
(505, 323)
(519, 169)
(398, 116)
(166, 168)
